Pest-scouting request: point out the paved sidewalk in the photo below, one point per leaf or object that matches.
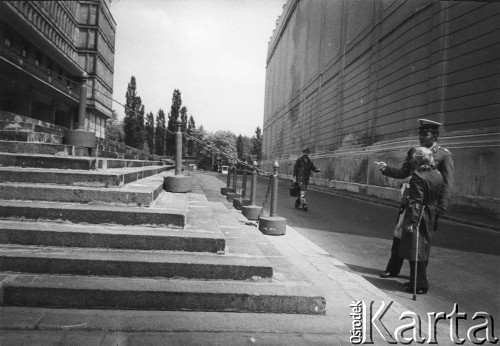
(340, 286)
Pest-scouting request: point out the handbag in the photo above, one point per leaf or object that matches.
(294, 189)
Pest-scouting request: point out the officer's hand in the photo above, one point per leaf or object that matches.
(410, 229)
(381, 165)
(318, 170)
(436, 223)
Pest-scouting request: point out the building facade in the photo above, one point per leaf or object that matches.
(45, 49)
(350, 78)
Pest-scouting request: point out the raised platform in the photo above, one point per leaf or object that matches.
(102, 178)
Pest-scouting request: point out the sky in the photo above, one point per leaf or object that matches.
(213, 51)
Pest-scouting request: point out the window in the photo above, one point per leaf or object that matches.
(92, 15)
(8, 38)
(91, 64)
(38, 58)
(91, 42)
(84, 13)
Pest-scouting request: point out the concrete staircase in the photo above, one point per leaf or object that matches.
(98, 231)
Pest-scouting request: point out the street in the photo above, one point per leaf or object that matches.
(464, 264)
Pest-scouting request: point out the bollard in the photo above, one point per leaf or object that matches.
(225, 190)
(231, 195)
(177, 182)
(273, 224)
(238, 203)
(244, 183)
(252, 211)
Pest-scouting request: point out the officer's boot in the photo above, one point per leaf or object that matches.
(305, 207)
(297, 204)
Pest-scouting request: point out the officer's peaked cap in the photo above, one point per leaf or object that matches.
(426, 124)
(306, 150)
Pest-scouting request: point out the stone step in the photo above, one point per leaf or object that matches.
(102, 178)
(170, 215)
(14, 119)
(108, 154)
(111, 237)
(111, 148)
(130, 263)
(7, 125)
(63, 150)
(138, 193)
(47, 161)
(68, 162)
(84, 292)
(28, 136)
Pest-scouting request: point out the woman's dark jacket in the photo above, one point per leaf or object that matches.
(426, 185)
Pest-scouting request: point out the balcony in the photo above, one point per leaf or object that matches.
(69, 88)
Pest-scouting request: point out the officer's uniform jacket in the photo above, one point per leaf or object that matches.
(424, 192)
(302, 170)
(443, 159)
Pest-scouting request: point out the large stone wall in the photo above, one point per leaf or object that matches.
(350, 78)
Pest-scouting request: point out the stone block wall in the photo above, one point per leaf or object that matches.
(349, 79)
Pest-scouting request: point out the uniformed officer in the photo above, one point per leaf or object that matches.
(428, 134)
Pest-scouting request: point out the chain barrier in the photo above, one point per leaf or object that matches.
(51, 73)
(265, 199)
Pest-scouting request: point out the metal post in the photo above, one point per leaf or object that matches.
(232, 195)
(253, 190)
(178, 147)
(228, 180)
(244, 183)
(178, 182)
(274, 191)
(273, 224)
(252, 211)
(235, 177)
(80, 136)
(83, 102)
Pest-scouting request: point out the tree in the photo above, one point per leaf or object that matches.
(183, 114)
(191, 128)
(114, 128)
(240, 148)
(133, 123)
(257, 144)
(244, 148)
(225, 143)
(172, 118)
(160, 133)
(201, 151)
(150, 132)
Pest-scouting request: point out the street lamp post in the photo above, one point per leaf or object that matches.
(178, 182)
(80, 136)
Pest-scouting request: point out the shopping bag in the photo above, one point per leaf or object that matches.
(398, 230)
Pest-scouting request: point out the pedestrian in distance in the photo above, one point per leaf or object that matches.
(425, 191)
(301, 172)
(428, 134)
